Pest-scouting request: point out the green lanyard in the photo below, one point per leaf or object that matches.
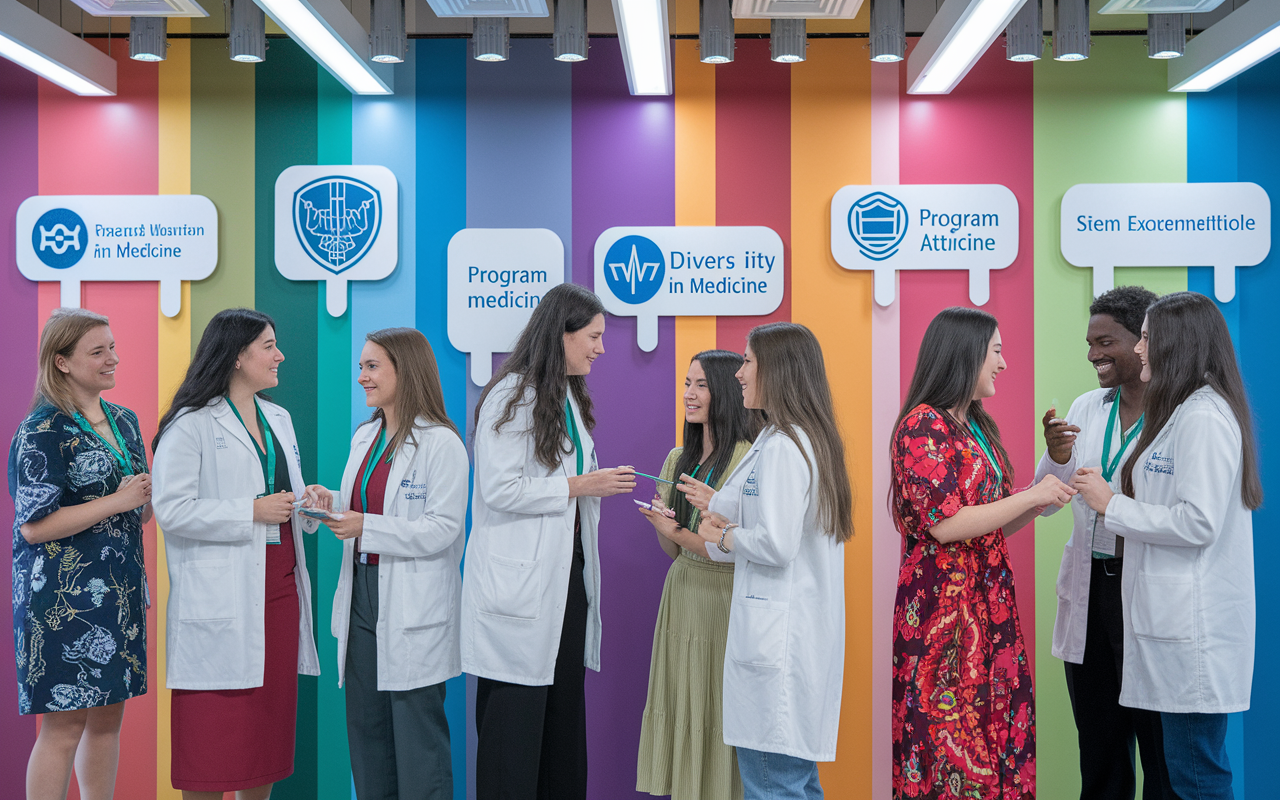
(121, 456)
(1109, 466)
(268, 458)
(696, 516)
(573, 432)
(371, 465)
(987, 451)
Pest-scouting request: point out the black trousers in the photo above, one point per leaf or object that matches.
(533, 739)
(399, 741)
(1108, 730)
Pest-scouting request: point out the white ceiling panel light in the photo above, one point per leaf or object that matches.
(957, 37)
(33, 42)
(1159, 6)
(796, 9)
(326, 30)
(490, 8)
(142, 8)
(1235, 43)
(646, 46)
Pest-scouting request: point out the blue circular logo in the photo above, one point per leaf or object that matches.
(633, 268)
(59, 238)
(878, 224)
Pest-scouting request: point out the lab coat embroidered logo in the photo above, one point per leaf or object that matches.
(1159, 464)
(59, 238)
(634, 267)
(878, 224)
(337, 220)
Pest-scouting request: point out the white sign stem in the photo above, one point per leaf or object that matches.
(647, 332)
(335, 296)
(170, 297)
(481, 368)
(1224, 282)
(70, 297)
(1104, 278)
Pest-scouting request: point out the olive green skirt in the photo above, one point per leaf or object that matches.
(682, 749)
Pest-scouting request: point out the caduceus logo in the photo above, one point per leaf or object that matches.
(633, 268)
(337, 219)
(878, 224)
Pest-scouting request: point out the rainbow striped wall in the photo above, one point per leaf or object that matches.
(536, 143)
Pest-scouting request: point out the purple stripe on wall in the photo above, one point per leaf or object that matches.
(623, 174)
(18, 331)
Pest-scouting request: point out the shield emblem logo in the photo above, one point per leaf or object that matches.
(337, 219)
(878, 224)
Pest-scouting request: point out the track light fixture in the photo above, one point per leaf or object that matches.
(1166, 35)
(570, 39)
(148, 38)
(1024, 38)
(888, 30)
(715, 31)
(787, 40)
(491, 39)
(387, 40)
(248, 38)
(1070, 30)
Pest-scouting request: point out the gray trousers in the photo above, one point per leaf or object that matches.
(399, 741)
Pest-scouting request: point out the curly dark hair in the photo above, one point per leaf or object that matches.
(1125, 304)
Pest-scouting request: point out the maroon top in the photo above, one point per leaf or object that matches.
(376, 491)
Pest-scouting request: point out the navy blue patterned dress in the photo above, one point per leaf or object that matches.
(79, 603)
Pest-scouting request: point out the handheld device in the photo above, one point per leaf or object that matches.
(318, 513)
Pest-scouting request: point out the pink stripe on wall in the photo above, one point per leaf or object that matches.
(982, 133)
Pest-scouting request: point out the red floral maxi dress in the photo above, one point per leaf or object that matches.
(963, 713)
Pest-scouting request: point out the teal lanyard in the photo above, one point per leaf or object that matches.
(696, 516)
(268, 458)
(573, 432)
(988, 452)
(1109, 464)
(371, 465)
(121, 456)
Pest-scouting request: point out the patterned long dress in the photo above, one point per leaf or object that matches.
(79, 603)
(963, 711)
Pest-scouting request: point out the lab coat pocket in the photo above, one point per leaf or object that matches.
(428, 600)
(208, 591)
(758, 633)
(1163, 607)
(514, 588)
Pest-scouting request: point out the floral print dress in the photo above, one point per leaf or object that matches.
(79, 603)
(963, 713)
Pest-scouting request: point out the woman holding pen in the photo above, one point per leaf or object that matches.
(239, 614)
(401, 513)
(530, 598)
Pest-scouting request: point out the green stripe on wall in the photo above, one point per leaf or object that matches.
(286, 135)
(1109, 119)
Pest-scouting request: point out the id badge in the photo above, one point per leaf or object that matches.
(1104, 541)
(273, 529)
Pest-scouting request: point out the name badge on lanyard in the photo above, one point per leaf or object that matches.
(1104, 541)
(267, 458)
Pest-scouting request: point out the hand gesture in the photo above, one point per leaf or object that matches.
(661, 522)
(698, 493)
(1088, 481)
(274, 509)
(712, 526)
(347, 525)
(603, 482)
(1059, 436)
(316, 496)
(133, 492)
(1051, 492)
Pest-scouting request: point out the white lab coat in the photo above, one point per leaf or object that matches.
(784, 661)
(516, 574)
(207, 474)
(1188, 573)
(1091, 413)
(419, 539)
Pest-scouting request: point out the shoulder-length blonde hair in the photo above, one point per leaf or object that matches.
(62, 332)
(418, 391)
(792, 387)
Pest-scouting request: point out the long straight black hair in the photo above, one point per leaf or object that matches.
(1189, 346)
(948, 368)
(538, 358)
(209, 374)
(728, 422)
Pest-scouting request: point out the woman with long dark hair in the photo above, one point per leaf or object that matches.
(963, 711)
(1184, 511)
(782, 518)
(401, 514)
(682, 749)
(530, 598)
(80, 488)
(239, 627)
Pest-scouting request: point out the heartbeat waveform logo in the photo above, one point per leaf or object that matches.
(337, 220)
(633, 268)
(59, 238)
(878, 224)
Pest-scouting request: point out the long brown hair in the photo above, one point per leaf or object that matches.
(538, 358)
(793, 391)
(1189, 346)
(62, 332)
(418, 392)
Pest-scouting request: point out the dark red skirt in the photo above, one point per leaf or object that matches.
(224, 741)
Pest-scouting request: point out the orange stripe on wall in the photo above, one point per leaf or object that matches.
(830, 148)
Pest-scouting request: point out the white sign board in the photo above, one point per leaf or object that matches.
(75, 238)
(1219, 225)
(970, 227)
(337, 224)
(496, 278)
(688, 271)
